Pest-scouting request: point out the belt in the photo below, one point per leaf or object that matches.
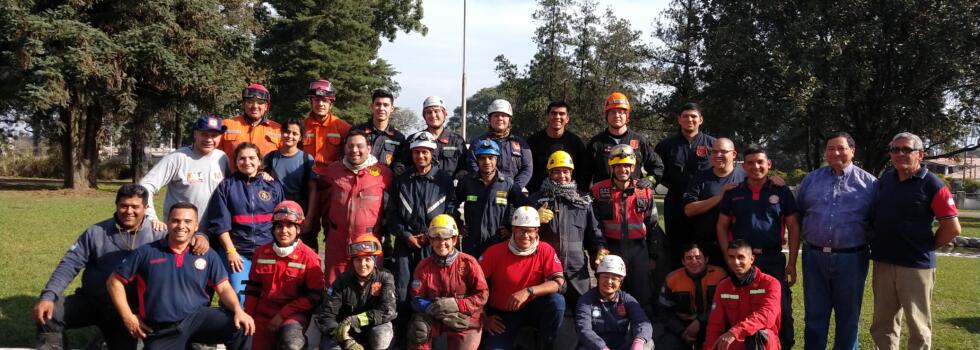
(838, 250)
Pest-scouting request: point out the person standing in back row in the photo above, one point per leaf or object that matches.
(649, 168)
(903, 246)
(557, 137)
(515, 160)
(684, 154)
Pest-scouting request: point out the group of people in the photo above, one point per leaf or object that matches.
(426, 237)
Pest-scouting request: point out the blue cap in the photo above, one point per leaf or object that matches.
(487, 147)
(209, 123)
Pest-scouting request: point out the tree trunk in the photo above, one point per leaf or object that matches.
(90, 156)
(37, 134)
(67, 170)
(137, 146)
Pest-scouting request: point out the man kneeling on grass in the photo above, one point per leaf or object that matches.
(98, 250)
(175, 306)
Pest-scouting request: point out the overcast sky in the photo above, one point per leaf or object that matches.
(432, 64)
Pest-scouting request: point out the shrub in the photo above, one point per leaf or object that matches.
(24, 164)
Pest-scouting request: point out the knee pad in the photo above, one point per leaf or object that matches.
(418, 329)
(291, 337)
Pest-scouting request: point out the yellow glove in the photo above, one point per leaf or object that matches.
(545, 214)
(600, 254)
(342, 332)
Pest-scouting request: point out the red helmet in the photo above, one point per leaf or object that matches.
(364, 245)
(255, 90)
(322, 88)
(288, 211)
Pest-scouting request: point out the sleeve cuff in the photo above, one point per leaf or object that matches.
(462, 306)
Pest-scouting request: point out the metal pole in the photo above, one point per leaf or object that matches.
(462, 93)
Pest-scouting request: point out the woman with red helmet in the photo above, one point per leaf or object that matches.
(284, 284)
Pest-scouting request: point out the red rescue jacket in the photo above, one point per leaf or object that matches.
(746, 310)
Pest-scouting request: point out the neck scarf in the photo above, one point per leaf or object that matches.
(446, 260)
(566, 191)
(512, 246)
(742, 282)
(371, 160)
(283, 252)
(499, 134)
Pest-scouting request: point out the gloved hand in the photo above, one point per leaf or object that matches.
(341, 333)
(545, 214)
(443, 306)
(599, 255)
(457, 321)
(398, 169)
(357, 321)
(638, 344)
(351, 344)
(645, 182)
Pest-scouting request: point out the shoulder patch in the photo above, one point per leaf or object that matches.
(200, 264)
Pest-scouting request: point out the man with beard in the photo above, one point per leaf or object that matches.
(352, 195)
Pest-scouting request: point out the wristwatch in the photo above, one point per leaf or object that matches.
(530, 291)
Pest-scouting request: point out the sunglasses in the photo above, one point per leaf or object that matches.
(901, 150)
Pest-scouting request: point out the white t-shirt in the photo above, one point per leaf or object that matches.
(188, 176)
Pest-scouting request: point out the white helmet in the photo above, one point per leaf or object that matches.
(501, 105)
(525, 217)
(423, 139)
(433, 101)
(612, 264)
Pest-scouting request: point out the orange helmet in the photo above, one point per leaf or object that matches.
(617, 100)
(364, 245)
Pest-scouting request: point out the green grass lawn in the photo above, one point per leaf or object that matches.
(36, 227)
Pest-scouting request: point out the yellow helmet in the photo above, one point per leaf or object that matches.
(617, 100)
(560, 159)
(622, 154)
(444, 226)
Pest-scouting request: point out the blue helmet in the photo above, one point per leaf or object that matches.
(487, 147)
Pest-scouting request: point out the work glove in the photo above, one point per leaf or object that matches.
(457, 321)
(341, 333)
(599, 255)
(357, 321)
(545, 214)
(443, 306)
(351, 344)
(645, 182)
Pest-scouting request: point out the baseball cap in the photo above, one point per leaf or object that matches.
(209, 123)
